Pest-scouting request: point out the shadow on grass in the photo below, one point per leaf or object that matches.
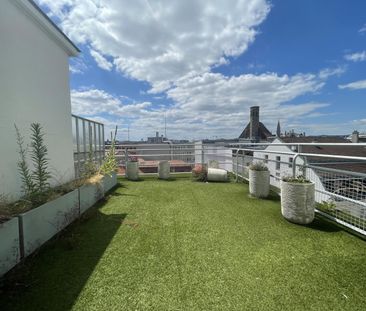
(54, 278)
(321, 224)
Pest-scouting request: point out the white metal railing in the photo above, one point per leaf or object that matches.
(340, 193)
(88, 140)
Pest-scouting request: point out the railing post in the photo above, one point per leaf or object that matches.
(237, 162)
(294, 165)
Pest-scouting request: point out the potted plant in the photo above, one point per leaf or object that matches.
(259, 180)
(132, 168)
(298, 199)
(199, 172)
(164, 170)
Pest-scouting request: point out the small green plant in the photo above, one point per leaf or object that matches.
(300, 179)
(35, 185)
(109, 164)
(258, 166)
(39, 152)
(89, 168)
(23, 168)
(199, 173)
(327, 206)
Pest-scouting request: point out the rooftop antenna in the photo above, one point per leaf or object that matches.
(165, 124)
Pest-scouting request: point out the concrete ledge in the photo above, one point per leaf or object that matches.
(109, 181)
(89, 195)
(42, 223)
(9, 245)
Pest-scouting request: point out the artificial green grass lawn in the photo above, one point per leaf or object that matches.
(183, 245)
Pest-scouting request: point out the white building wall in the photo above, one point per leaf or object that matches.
(34, 87)
(285, 169)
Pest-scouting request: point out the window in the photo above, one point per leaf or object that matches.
(266, 158)
(278, 163)
(290, 161)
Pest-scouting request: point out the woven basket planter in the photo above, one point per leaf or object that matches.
(216, 174)
(298, 202)
(164, 170)
(259, 183)
(132, 171)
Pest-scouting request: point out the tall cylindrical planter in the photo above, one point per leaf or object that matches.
(164, 170)
(216, 174)
(259, 183)
(298, 202)
(132, 170)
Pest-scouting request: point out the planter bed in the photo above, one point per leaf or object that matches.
(42, 223)
(9, 245)
(109, 181)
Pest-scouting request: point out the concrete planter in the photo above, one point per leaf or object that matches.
(298, 202)
(109, 181)
(40, 224)
(216, 174)
(259, 183)
(89, 194)
(164, 170)
(9, 245)
(132, 171)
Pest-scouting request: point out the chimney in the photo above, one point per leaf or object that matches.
(254, 123)
(355, 137)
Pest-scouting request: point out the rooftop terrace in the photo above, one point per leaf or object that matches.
(183, 245)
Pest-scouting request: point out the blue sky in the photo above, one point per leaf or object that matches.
(202, 64)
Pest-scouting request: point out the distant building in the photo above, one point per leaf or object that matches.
(281, 164)
(156, 139)
(255, 130)
(357, 137)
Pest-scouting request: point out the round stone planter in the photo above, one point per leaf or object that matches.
(164, 170)
(132, 170)
(259, 183)
(216, 174)
(298, 202)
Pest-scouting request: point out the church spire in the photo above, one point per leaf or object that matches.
(278, 132)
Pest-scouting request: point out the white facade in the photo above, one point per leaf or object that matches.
(278, 170)
(34, 87)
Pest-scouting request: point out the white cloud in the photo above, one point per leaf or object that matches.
(357, 85)
(92, 102)
(329, 72)
(356, 57)
(77, 65)
(101, 60)
(209, 104)
(362, 29)
(160, 41)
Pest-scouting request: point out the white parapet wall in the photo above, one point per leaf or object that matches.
(34, 87)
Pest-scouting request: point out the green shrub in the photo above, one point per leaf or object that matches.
(258, 166)
(298, 179)
(199, 173)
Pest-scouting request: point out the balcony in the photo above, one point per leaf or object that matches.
(184, 245)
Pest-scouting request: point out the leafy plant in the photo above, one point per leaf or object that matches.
(109, 164)
(327, 206)
(199, 173)
(258, 166)
(90, 167)
(300, 179)
(28, 185)
(39, 152)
